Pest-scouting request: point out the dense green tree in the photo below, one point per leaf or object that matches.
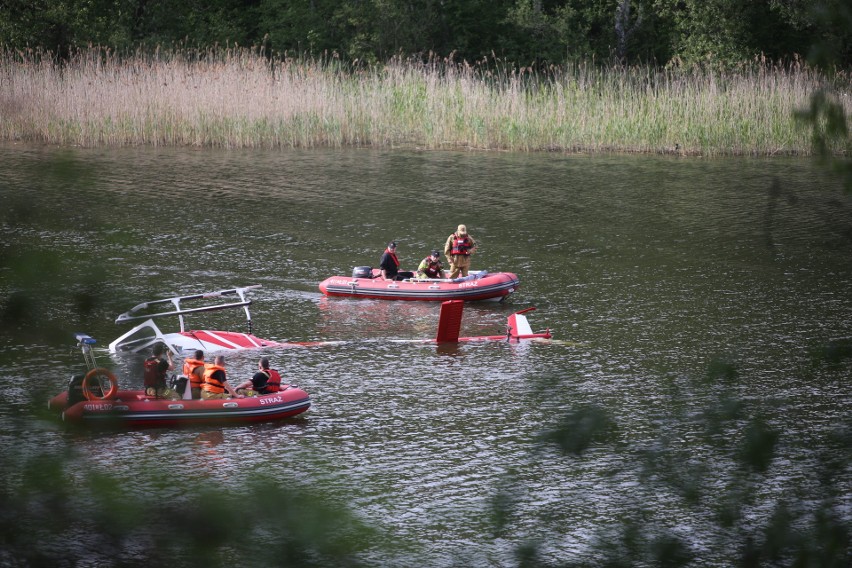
(365, 30)
(471, 29)
(569, 30)
(59, 26)
(297, 25)
(731, 31)
(718, 32)
(400, 26)
(196, 22)
(710, 30)
(826, 116)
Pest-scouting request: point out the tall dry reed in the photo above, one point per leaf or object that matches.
(238, 98)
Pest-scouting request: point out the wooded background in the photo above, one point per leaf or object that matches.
(522, 32)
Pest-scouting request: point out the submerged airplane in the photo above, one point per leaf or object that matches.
(146, 334)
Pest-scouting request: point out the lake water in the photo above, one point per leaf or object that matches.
(646, 269)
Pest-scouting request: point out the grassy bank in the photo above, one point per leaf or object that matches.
(240, 99)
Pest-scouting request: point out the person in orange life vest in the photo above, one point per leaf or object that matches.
(155, 373)
(431, 267)
(389, 265)
(216, 381)
(458, 248)
(193, 369)
(264, 381)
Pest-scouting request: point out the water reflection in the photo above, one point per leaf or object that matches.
(346, 318)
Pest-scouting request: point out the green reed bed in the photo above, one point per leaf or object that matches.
(238, 98)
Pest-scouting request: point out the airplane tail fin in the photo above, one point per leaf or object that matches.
(519, 327)
(449, 322)
(518, 324)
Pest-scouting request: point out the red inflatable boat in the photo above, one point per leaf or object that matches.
(365, 283)
(94, 399)
(133, 409)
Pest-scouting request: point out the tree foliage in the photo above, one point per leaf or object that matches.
(826, 116)
(722, 32)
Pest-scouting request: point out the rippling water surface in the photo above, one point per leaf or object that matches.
(644, 268)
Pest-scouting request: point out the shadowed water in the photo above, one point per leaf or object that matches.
(645, 269)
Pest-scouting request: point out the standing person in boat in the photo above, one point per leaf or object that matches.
(389, 265)
(156, 368)
(216, 381)
(264, 381)
(193, 369)
(431, 267)
(458, 248)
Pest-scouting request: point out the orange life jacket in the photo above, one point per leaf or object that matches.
(189, 367)
(211, 384)
(461, 245)
(154, 377)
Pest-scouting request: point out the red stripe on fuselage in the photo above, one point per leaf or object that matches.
(229, 339)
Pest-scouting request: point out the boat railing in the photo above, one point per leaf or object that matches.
(85, 343)
(474, 275)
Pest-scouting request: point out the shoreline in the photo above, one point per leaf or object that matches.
(674, 152)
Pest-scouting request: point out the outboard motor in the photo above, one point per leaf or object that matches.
(75, 390)
(362, 272)
(178, 384)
